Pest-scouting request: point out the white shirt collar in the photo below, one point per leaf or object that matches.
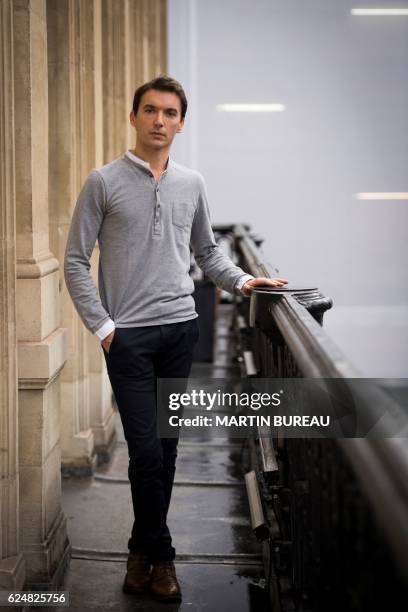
(142, 162)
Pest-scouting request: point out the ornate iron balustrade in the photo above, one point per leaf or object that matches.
(338, 509)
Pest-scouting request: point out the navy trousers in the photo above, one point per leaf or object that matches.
(136, 358)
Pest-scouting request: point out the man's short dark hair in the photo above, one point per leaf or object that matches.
(161, 83)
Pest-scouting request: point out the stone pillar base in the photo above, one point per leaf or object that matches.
(105, 453)
(105, 437)
(46, 562)
(12, 573)
(57, 577)
(102, 411)
(83, 460)
(79, 470)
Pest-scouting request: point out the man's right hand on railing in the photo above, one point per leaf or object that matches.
(261, 281)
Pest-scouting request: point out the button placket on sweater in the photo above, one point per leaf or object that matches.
(157, 220)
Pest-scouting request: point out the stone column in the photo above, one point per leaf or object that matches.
(68, 156)
(115, 105)
(153, 38)
(130, 58)
(134, 51)
(145, 48)
(162, 34)
(97, 81)
(41, 341)
(157, 38)
(12, 564)
(101, 408)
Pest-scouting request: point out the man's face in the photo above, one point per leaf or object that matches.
(158, 119)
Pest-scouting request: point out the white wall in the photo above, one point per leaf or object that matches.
(294, 175)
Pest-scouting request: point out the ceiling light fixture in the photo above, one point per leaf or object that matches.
(395, 195)
(379, 12)
(250, 108)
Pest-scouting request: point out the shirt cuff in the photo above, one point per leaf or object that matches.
(241, 282)
(105, 330)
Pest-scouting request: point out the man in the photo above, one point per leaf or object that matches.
(146, 210)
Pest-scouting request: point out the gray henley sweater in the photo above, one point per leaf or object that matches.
(144, 229)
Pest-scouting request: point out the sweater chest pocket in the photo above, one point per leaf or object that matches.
(182, 215)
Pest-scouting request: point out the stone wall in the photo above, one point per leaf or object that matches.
(68, 70)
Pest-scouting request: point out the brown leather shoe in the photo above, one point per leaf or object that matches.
(163, 581)
(138, 573)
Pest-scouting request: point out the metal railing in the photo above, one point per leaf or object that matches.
(337, 508)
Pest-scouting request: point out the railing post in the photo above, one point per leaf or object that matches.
(309, 297)
(271, 353)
